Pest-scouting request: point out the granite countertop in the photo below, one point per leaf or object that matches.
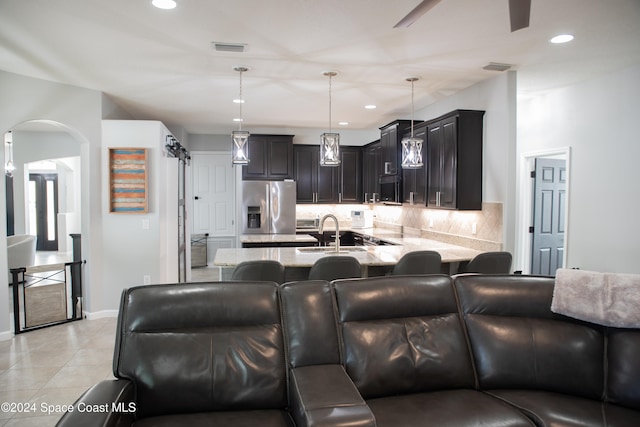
(366, 255)
(277, 238)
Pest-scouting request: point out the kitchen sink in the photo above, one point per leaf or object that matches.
(332, 249)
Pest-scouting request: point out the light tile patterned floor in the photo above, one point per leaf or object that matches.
(53, 366)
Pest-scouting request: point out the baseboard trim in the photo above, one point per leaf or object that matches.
(101, 314)
(6, 335)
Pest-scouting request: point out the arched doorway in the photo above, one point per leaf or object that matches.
(43, 198)
(44, 189)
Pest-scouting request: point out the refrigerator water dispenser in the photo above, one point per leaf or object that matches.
(253, 216)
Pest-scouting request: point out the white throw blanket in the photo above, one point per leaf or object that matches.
(609, 299)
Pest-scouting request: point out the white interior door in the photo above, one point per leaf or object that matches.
(213, 194)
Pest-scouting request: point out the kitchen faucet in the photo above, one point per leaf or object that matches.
(322, 220)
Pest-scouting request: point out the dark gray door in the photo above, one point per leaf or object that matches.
(44, 190)
(548, 216)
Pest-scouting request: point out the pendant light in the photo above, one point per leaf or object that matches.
(329, 141)
(9, 167)
(411, 147)
(240, 138)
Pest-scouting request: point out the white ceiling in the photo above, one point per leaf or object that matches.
(160, 65)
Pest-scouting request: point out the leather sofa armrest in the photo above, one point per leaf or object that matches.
(325, 396)
(109, 403)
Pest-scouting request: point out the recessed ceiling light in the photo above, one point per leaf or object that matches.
(370, 107)
(344, 123)
(561, 38)
(238, 101)
(164, 4)
(238, 119)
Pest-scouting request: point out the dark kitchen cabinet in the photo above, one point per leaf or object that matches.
(350, 190)
(270, 158)
(322, 184)
(390, 137)
(314, 183)
(414, 181)
(454, 160)
(371, 171)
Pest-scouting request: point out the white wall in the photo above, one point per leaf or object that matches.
(598, 120)
(497, 97)
(132, 250)
(207, 142)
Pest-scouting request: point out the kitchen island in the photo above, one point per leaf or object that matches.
(375, 260)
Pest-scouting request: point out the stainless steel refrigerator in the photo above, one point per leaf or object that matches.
(268, 207)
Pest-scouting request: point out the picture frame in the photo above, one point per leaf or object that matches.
(128, 180)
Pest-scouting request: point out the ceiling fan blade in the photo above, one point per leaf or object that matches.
(519, 11)
(416, 13)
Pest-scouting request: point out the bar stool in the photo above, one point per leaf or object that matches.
(490, 263)
(264, 270)
(335, 267)
(418, 262)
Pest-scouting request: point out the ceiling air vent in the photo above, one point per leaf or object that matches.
(229, 47)
(494, 66)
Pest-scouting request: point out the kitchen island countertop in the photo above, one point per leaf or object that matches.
(368, 256)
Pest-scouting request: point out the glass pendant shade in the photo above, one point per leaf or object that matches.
(330, 149)
(411, 147)
(240, 149)
(411, 153)
(330, 141)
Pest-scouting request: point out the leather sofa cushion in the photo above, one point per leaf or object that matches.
(309, 319)
(624, 368)
(553, 409)
(272, 418)
(451, 408)
(537, 354)
(402, 336)
(518, 343)
(193, 348)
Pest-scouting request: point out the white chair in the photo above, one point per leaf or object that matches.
(21, 252)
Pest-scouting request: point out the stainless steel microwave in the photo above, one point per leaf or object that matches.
(390, 189)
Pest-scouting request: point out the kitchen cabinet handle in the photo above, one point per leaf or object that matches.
(365, 197)
(339, 197)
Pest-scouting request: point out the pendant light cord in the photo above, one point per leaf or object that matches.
(330, 102)
(412, 108)
(240, 122)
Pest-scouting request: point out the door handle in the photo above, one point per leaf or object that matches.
(197, 198)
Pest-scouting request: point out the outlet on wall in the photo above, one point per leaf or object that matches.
(146, 279)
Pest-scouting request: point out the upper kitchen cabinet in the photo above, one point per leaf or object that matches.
(414, 181)
(322, 184)
(390, 137)
(371, 171)
(315, 183)
(454, 160)
(270, 158)
(350, 190)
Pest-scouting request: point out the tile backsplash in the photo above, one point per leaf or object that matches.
(480, 230)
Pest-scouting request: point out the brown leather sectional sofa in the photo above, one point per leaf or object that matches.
(472, 350)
